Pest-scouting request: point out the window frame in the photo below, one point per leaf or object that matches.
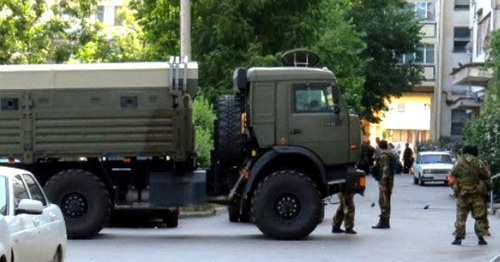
(43, 199)
(315, 86)
(465, 40)
(427, 5)
(7, 191)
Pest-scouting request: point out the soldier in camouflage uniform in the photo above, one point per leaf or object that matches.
(386, 183)
(345, 212)
(472, 182)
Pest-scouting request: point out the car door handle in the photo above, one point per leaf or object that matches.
(52, 216)
(295, 131)
(36, 221)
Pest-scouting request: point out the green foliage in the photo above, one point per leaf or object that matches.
(483, 131)
(443, 144)
(390, 28)
(203, 117)
(23, 35)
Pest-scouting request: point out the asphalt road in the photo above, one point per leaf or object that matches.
(417, 234)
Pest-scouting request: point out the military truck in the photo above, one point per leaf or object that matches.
(106, 137)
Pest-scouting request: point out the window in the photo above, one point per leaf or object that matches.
(424, 55)
(483, 34)
(458, 119)
(20, 191)
(312, 99)
(462, 4)
(118, 17)
(426, 11)
(100, 13)
(34, 188)
(401, 107)
(461, 37)
(429, 159)
(3, 195)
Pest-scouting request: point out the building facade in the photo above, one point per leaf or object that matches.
(455, 39)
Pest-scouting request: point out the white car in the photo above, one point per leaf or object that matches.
(432, 166)
(5, 249)
(35, 227)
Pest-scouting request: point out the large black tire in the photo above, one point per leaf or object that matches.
(233, 210)
(83, 199)
(228, 139)
(171, 218)
(287, 205)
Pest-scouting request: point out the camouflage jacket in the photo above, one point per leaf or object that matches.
(385, 164)
(471, 176)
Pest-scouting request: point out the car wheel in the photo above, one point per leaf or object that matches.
(57, 256)
(415, 180)
(286, 205)
(83, 199)
(421, 181)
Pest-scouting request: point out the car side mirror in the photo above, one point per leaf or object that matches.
(453, 160)
(29, 206)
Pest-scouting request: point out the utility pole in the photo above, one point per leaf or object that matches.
(185, 29)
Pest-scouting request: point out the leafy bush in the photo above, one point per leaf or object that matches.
(203, 117)
(483, 132)
(443, 144)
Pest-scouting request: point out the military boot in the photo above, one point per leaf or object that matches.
(457, 241)
(481, 241)
(350, 231)
(383, 223)
(337, 229)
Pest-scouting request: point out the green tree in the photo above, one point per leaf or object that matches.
(390, 28)
(235, 33)
(483, 131)
(203, 117)
(23, 34)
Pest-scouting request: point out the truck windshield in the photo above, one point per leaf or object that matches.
(314, 98)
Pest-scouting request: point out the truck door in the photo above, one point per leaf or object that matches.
(319, 121)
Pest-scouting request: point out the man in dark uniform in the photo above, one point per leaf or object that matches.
(471, 184)
(386, 183)
(407, 159)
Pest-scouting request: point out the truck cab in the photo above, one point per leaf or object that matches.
(295, 143)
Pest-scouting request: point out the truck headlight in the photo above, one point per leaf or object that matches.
(426, 171)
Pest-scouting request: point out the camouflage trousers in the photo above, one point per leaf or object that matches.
(476, 205)
(384, 201)
(345, 211)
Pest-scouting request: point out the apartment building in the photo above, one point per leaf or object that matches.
(483, 19)
(455, 35)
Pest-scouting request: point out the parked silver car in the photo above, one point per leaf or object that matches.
(35, 228)
(432, 166)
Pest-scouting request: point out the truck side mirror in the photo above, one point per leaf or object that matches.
(336, 109)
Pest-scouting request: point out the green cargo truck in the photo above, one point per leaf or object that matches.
(104, 137)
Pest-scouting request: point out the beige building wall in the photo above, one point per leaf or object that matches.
(454, 21)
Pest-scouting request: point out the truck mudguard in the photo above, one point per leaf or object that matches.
(277, 151)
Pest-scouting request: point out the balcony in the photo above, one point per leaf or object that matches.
(472, 74)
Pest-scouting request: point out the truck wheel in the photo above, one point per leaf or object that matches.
(286, 205)
(83, 199)
(171, 218)
(233, 210)
(228, 140)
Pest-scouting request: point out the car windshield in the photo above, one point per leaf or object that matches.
(429, 159)
(3, 195)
